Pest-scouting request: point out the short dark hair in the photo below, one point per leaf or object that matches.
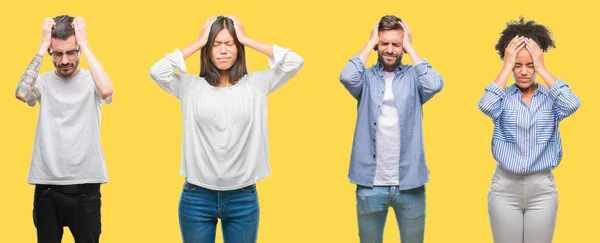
(63, 28)
(530, 29)
(208, 70)
(389, 22)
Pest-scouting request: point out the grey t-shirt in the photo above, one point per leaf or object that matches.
(67, 148)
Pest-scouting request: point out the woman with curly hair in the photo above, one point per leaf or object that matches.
(523, 199)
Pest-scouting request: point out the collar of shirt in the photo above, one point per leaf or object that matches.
(379, 68)
(513, 89)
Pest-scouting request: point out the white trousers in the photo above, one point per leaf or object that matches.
(522, 208)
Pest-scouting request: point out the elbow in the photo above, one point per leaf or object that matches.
(348, 79)
(300, 62)
(438, 85)
(20, 96)
(106, 93)
(153, 73)
(482, 108)
(575, 105)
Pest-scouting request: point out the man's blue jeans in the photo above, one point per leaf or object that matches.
(372, 204)
(200, 208)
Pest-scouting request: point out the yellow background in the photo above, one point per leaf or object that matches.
(311, 120)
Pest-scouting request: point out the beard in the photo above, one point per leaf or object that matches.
(66, 73)
(390, 65)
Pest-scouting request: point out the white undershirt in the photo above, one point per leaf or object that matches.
(388, 139)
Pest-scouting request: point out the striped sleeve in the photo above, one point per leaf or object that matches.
(565, 101)
(491, 102)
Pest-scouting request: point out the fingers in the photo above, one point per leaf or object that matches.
(533, 48)
(209, 21)
(47, 31)
(404, 26)
(375, 31)
(516, 43)
(78, 24)
(236, 21)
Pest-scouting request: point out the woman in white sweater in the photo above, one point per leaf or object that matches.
(225, 141)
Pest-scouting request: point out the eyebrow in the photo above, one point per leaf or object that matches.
(63, 51)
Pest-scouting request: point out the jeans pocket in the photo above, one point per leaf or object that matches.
(189, 187)
(495, 185)
(42, 193)
(544, 127)
(250, 188)
(91, 196)
(551, 181)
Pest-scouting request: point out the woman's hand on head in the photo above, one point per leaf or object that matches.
(239, 29)
(205, 31)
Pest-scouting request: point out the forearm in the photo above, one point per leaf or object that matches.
(366, 51)
(101, 79)
(191, 49)
(502, 77)
(412, 53)
(26, 90)
(261, 47)
(547, 77)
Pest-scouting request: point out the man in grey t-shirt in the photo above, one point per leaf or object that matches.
(67, 165)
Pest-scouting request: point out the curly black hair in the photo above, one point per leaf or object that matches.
(537, 32)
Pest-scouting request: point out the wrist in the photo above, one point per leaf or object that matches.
(43, 48)
(372, 43)
(243, 40)
(507, 67)
(541, 70)
(83, 45)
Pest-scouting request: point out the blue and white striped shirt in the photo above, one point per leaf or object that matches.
(526, 139)
(412, 87)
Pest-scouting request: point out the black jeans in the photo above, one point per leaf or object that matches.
(74, 206)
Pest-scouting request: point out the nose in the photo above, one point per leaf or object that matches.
(64, 60)
(389, 50)
(523, 71)
(222, 49)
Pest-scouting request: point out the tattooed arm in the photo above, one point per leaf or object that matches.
(26, 90)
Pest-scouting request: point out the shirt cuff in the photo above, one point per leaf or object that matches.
(278, 54)
(422, 68)
(493, 88)
(356, 60)
(177, 58)
(556, 88)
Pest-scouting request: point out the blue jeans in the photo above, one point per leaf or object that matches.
(372, 204)
(200, 208)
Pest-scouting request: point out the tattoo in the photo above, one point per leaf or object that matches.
(27, 83)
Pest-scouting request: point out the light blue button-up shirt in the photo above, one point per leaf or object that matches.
(526, 138)
(412, 87)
